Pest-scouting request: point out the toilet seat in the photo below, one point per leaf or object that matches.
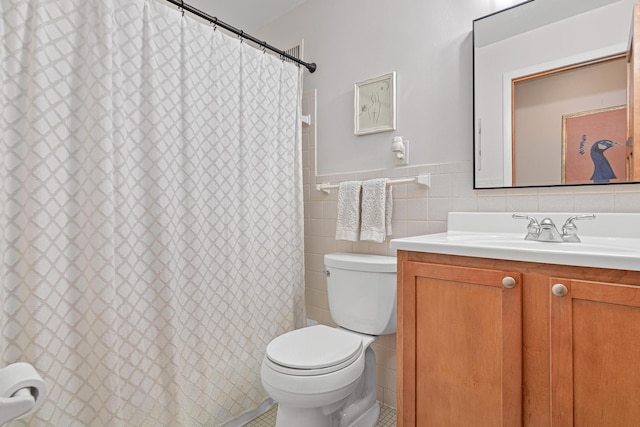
(315, 350)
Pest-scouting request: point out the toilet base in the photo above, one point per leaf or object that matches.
(314, 417)
(369, 418)
(308, 417)
(359, 409)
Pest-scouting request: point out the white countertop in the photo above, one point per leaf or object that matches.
(608, 241)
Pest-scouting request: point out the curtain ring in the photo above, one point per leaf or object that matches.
(215, 23)
(241, 36)
(264, 47)
(182, 6)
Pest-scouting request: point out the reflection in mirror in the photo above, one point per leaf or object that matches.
(550, 89)
(587, 92)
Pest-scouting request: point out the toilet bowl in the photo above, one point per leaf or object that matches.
(314, 382)
(323, 376)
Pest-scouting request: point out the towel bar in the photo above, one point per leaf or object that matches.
(425, 180)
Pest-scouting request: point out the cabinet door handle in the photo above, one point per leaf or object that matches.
(559, 290)
(508, 282)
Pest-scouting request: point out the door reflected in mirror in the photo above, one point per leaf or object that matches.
(549, 75)
(559, 116)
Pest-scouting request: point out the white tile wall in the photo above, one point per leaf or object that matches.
(418, 210)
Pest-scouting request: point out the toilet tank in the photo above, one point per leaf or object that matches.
(362, 292)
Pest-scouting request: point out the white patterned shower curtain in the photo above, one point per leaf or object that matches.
(151, 211)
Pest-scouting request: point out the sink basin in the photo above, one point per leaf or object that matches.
(608, 242)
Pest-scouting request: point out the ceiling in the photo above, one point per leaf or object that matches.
(246, 15)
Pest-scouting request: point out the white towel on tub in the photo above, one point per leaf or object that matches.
(348, 223)
(377, 205)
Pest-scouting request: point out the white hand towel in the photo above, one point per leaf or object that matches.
(377, 204)
(348, 226)
(388, 209)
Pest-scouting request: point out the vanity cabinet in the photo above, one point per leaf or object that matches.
(595, 350)
(484, 342)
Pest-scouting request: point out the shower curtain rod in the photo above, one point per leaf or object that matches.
(216, 22)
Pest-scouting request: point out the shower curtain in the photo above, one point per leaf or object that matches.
(151, 211)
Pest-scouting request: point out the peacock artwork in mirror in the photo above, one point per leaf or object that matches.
(554, 91)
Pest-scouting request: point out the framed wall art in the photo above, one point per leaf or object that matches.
(593, 146)
(375, 105)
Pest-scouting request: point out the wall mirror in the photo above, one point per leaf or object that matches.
(552, 84)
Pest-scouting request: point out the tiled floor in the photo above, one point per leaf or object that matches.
(268, 419)
(387, 417)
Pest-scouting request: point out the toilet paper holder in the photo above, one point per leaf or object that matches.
(22, 391)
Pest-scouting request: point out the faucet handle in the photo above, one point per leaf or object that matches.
(524, 216)
(569, 229)
(533, 228)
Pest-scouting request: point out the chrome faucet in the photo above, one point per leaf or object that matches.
(533, 229)
(546, 230)
(569, 229)
(549, 232)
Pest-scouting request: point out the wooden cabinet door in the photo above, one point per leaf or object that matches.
(595, 354)
(459, 346)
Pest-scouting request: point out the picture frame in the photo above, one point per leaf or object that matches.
(594, 146)
(375, 105)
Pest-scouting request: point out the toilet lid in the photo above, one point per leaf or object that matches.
(315, 347)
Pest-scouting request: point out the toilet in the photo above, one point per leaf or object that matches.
(326, 377)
